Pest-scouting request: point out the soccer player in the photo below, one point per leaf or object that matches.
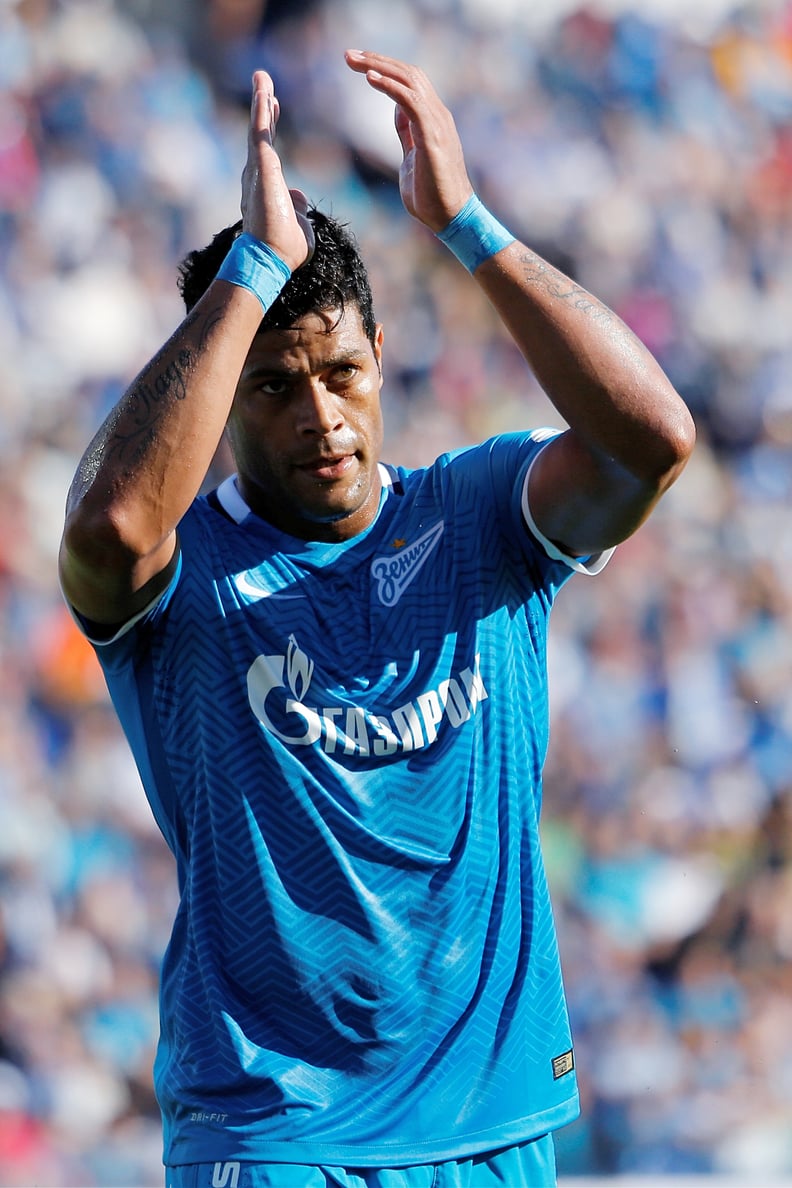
(332, 674)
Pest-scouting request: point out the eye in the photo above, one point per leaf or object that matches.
(273, 387)
(345, 373)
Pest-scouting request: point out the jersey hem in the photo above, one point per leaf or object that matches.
(253, 1149)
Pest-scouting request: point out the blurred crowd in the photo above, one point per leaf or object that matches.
(648, 152)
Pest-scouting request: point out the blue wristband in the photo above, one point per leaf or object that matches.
(473, 235)
(253, 265)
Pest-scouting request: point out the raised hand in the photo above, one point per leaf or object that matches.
(433, 179)
(270, 210)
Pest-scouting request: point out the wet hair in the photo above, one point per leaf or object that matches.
(334, 277)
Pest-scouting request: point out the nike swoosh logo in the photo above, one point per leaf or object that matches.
(252, 588)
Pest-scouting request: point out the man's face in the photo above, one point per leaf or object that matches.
(306, 426)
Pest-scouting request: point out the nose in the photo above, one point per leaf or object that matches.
(318, 411)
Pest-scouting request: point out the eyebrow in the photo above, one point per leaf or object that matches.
(284, 372)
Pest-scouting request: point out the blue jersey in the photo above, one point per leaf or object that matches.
(343, 746)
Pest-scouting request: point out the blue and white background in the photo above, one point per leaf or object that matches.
(646, 148)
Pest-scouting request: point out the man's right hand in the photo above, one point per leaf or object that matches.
(271, 211)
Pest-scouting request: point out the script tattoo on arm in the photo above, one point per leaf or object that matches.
(542, 275)
(147, 402)
(153, 393)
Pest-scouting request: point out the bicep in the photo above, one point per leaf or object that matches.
(108, 592)
(584, 501)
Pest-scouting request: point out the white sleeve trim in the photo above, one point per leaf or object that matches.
(590, 565)
(122, 630)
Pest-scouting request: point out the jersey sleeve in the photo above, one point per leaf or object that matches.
(495, 473)
(590, 565)
(115, 645)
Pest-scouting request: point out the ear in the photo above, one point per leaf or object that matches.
(377, 348)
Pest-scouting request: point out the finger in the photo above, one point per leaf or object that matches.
(406, 85)
(299, 202)
(264, 108)
(379, 67)
(404, 129)
(306, 226)
(365, 60)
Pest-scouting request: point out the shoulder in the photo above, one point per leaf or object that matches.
(494, 468)
(479, 489)
(481, 484)
(503, 453)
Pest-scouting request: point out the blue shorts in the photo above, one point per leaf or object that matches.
(530, 1165)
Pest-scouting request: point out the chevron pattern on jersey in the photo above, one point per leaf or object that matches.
(365, 954)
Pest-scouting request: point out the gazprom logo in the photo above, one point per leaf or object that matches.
(393, 574)
(280, 687)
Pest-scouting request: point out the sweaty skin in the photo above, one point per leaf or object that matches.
(629, 432)
(306, 426)
(146, 464)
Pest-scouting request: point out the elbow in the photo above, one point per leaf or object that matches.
(678, 438)
(655, 457)
(98, 539)
(88, 563)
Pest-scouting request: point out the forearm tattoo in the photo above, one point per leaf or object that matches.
(561, 288)
(538, 272)
(147, 402)
(152, 395)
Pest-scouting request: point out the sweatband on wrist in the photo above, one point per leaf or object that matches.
(253, 265)
(473, 235)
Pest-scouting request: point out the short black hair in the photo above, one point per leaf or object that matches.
(333, 277)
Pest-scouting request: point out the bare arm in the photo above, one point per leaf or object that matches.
(147, 462)
(630, 433)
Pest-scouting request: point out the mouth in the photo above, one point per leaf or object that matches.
(327, 469)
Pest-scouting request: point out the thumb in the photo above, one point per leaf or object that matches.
(300, 204)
